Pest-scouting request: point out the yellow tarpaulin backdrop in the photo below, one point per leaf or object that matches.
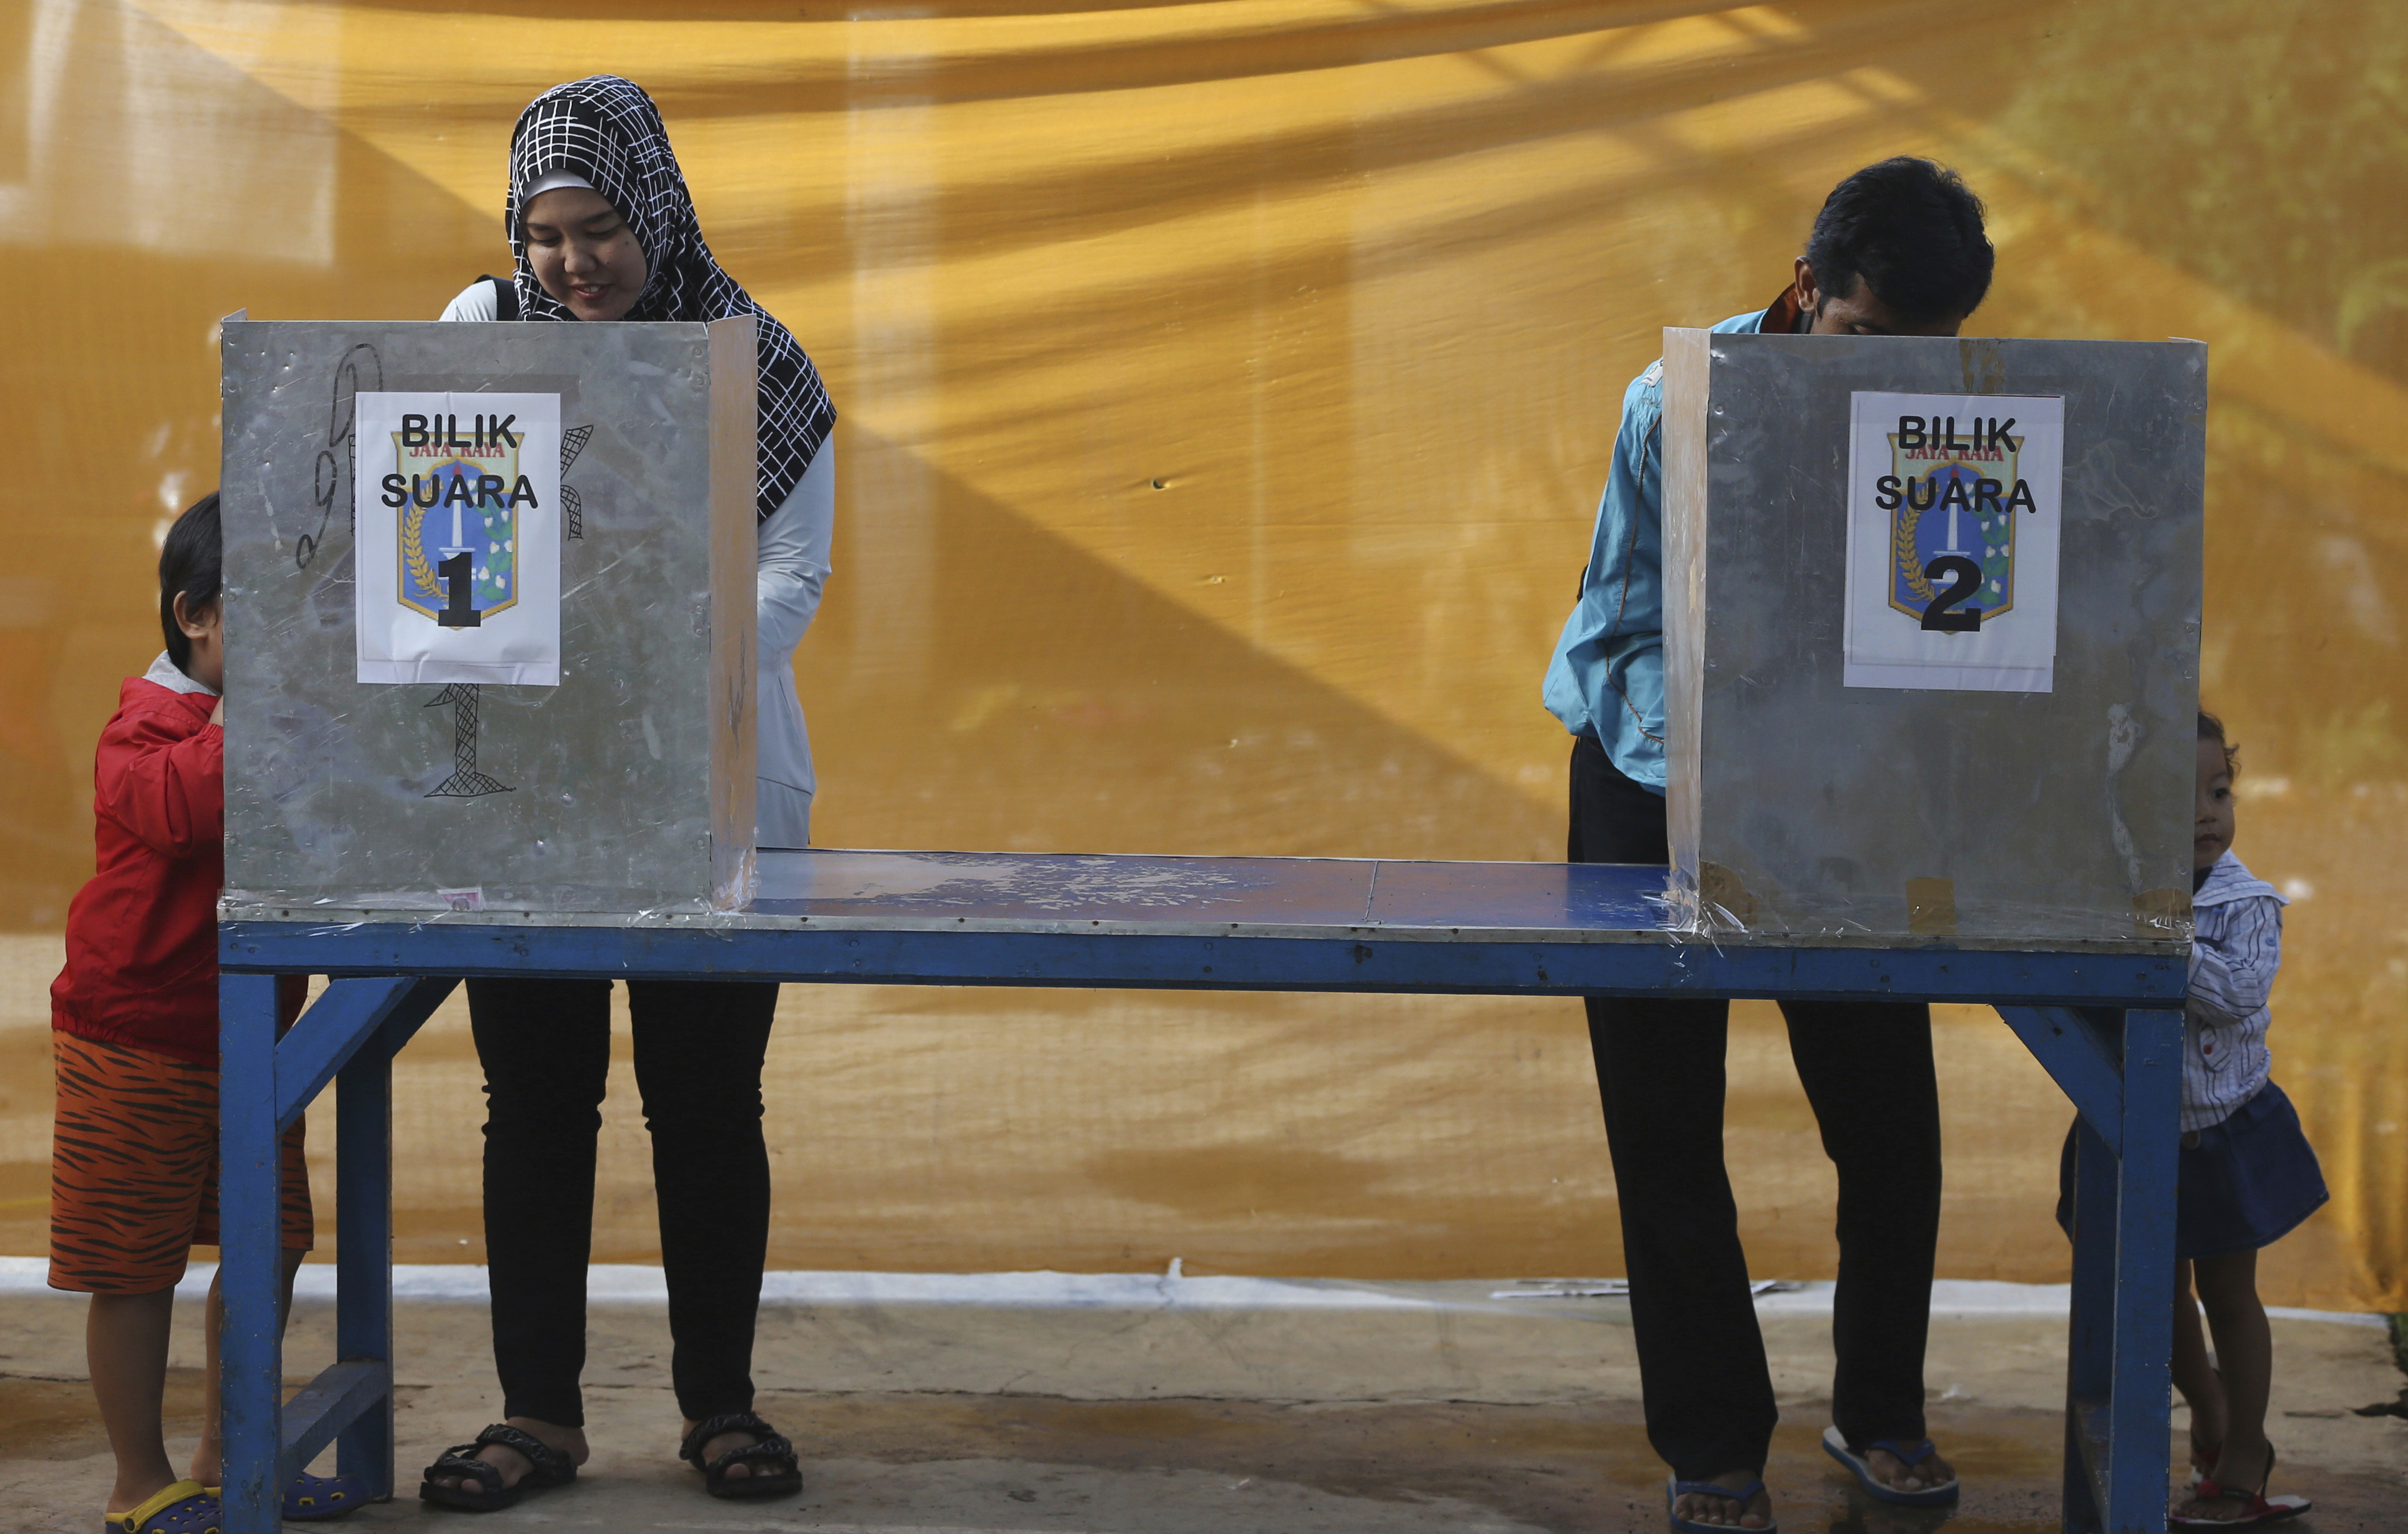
(1227, 389)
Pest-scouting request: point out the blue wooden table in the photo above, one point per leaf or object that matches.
(2104, 1019)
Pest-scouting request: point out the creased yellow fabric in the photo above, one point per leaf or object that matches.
(1227, 389)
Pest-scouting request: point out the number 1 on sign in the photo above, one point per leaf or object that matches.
(456, 612)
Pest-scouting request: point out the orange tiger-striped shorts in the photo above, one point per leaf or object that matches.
(134, 1169)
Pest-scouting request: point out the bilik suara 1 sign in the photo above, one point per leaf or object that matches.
(458, 499)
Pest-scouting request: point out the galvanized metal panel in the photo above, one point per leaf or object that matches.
(1802, 807)
(630, 785)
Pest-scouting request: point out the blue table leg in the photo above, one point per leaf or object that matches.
(2091, 1356)
(363, 1247)
(2123, 1072)
(2118, 1414)
(2139, 1406)
(349, 1036)
(248, 1192)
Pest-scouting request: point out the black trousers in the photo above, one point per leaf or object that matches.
(545, 1045)
(1867, 1070)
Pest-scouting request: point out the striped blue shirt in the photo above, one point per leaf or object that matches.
(2235, 950)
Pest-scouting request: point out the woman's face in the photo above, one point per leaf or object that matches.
(583, 253)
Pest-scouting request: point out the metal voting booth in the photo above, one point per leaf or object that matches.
(1894, 776)
(580, 736)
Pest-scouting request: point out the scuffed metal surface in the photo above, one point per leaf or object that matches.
(1310, 891)
(630, 785)
(1803, 807)
(1122, 895)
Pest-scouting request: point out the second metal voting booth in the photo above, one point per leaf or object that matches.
(1918, 843)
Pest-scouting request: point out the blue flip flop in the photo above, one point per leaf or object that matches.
(311, 1499)
(1676, 1489)
(1909, 1454)
(186, 1507)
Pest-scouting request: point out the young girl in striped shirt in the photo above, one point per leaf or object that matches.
(2247, 1175)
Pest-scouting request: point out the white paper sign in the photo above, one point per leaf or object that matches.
(1953, 524)
(458, 564)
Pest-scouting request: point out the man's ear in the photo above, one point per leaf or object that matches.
(1810, 297)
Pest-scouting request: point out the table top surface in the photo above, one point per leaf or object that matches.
(1212, 923)
(1400, 900)
(1436, 901)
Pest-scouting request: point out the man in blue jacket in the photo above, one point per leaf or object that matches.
(1897, 249)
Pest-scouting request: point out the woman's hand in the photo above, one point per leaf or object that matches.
(217, 715)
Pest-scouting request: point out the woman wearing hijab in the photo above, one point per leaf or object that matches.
(603, 229)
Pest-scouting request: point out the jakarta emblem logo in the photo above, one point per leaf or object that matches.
(458, 494)
(1952, 502)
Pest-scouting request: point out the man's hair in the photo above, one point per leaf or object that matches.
(190, 565)
(1911, 230)
(2212, 728)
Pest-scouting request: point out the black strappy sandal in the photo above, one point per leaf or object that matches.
(551, 1467)
(771, 1467)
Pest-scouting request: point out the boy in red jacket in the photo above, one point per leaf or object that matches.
(134, 1026)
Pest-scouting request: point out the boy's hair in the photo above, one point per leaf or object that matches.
(2212, 728)
(190, 565)
(1912, 230)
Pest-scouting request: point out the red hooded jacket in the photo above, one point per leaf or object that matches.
(142, 936)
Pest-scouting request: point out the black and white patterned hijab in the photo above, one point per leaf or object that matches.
(606, 131)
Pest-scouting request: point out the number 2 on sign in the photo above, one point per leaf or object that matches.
(1966, 581)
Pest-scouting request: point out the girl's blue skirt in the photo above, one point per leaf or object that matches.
(2246, 1183)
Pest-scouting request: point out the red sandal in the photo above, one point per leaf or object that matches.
(2261, 1509)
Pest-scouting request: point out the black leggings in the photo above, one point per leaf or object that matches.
(1867, 1070)
(545, 1045)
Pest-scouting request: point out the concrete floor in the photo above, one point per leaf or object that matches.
(1439, 1410)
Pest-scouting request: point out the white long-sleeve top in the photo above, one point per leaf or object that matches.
(790, 570)
(2236, 947)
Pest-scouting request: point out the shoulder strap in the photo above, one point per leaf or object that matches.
(506, 296)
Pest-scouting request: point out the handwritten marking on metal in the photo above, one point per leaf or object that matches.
(573, 511)
(331, 475)
(1084, 885)
(465, 781)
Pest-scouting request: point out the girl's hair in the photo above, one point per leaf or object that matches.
(2212, 728)
(190, 565)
